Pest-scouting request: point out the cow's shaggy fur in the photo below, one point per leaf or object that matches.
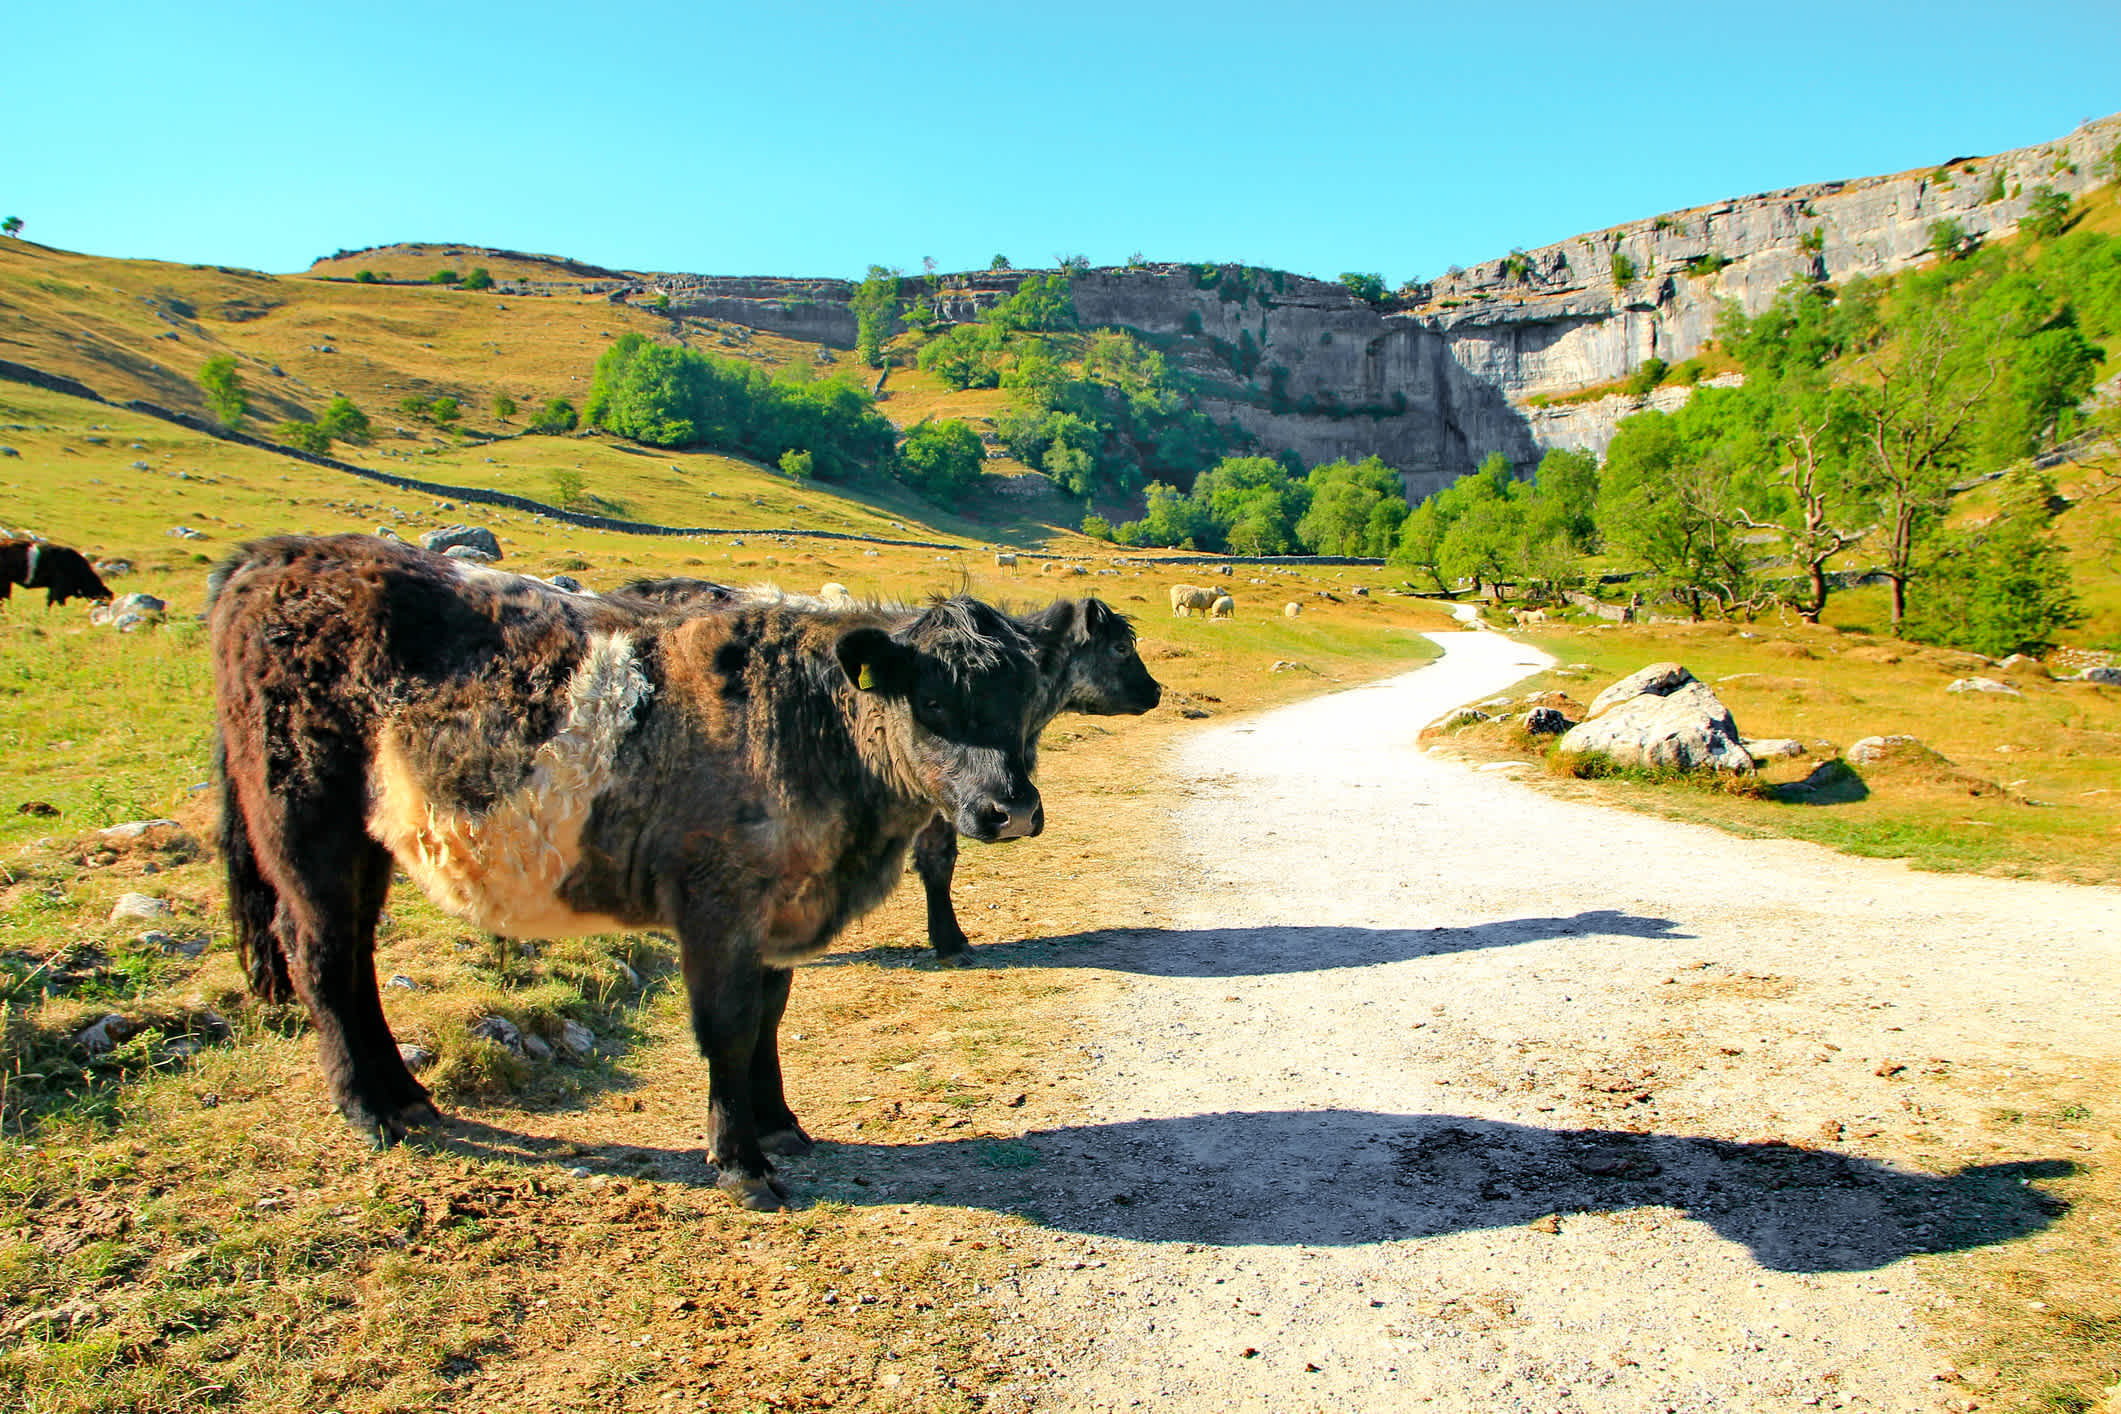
(62, 573)
(747, 775)
(1087, 663)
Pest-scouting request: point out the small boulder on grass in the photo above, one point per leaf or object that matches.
(1660, 718)
(1984, 685)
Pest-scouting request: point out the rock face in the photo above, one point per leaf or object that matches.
(1434, 379)
(1661, 717)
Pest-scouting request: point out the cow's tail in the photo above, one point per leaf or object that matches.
(253, 902)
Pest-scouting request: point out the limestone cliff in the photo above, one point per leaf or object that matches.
(1466, 365)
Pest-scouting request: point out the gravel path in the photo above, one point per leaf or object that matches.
(1441, 1092)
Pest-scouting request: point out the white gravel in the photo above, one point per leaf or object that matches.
(1409, 1014)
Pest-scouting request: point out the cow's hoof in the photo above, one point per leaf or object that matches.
(789, 1143)
(963, 957)
(384, 1127)
(760, 1195)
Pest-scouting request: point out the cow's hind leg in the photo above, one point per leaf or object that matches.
(727, 988)
(332, 880)
(779, 1133)
(935, 858)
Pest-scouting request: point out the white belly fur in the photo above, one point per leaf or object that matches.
(502, 870)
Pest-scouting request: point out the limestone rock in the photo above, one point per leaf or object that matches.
(567, 583)
(499, 1030)
(577, 1040)
(1774, 749)
(416, 1058)
(1545, 721)
(2109, 677)
(133, 829)
(469, 553)
(1666, 719)
(1879, 750)
(476, 537)
(1983, 685)
(138, 906)
(1657, 680)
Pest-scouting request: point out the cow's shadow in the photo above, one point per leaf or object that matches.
(1276, 951)
(1347, 1177)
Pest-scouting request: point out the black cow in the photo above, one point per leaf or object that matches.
(61, 573)
(749, 776)
(1087, 663)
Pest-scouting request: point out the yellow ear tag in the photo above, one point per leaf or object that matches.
(867, 681)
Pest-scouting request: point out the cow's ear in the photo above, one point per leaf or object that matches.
(874, 662)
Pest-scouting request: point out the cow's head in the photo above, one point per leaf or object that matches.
(1086, 650)
(954, 687)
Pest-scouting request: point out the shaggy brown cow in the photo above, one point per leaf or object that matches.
(61, 573)
(1087, 663)
(540, 763)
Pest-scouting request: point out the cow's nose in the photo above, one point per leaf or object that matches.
(1018, 819)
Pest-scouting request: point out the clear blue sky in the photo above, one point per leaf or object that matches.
(812, 138)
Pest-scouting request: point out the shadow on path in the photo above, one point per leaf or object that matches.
(1331, 1178)
(1273, 952)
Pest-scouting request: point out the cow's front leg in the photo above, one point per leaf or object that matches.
(779, 1133)
(725, 984)
(935, 859)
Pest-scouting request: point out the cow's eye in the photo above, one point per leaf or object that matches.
(1119, 647)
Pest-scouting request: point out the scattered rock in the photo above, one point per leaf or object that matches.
(1545, 721)
(1465, 717)
(1781, 748)
(1550, 1224)
(469, 553)
(416, 1058)
(577, 1040)
(103, 1034)
(1876, 750)
(40, 808)
(475, 537)
(185, 532)
(384, 532)
(1361, 591)
(113, 569)
(499, 1030)
(138, 906)
(1662, 716)
(2024, 663)
(402, 983)
(568, 583)
(9, 452)
(537, 1048)
(2108, 677)
(1983, 685)
(133, 829)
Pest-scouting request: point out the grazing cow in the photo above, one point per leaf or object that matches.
(61, 573)
(1185, 598)
(1087, 662)
(746, 775)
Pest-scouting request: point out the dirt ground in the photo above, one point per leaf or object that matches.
(1430, 1090)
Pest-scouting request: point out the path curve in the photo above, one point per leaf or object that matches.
(1442, 1092)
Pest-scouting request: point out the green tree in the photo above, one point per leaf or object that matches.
(1255, 503)
(445, 411)
(343, 421)
(2046, 213)
(568, 486)
(304, 436)
(1366, 286)
(556, 417)
(1949, 240)
(415, 406)
(365, 277)
(876, 305)
(999, 262)
(1420, 544)
(2000, 587)
(1673, 500)
(1097, 527)
(941, 460)
(1356, 509)
(223, 389)
(800, 465)
(504, 407)
(478, 279)
(442, 277)
(12, 226)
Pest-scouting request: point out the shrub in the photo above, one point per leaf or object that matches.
(442, 277)
(223, 388)
(876, 305)
(1949, 240)
(1647, 376)
(504, 407)
(568, 486)
(1623, 270)
(415, 406)
(365, 277)
(941, 460)
(1516, 267)
(445, 411)
(1097, 527)
(478, 279)
(343, 421)
(800, 465)
(2046, 213)
(1813, 241)
(304, 437)
(556, 417)
(1994, 191)
(1708, 263)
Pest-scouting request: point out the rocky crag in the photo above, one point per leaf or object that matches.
(1434, 380)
